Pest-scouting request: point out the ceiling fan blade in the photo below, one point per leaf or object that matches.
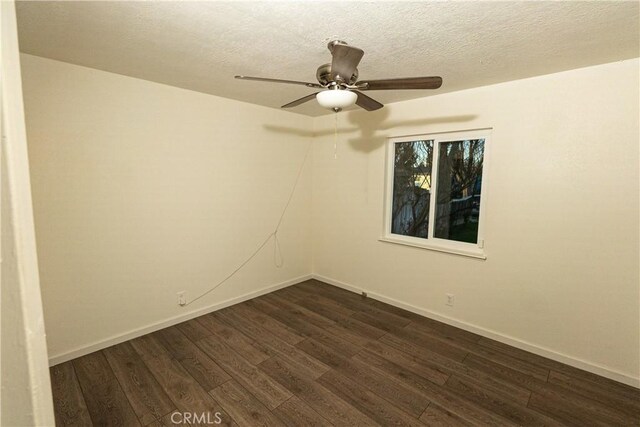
(367, 103)
(345, 61)
(403, 83)
(291, 82)
(300, 101)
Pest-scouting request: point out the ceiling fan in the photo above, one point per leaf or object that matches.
(340, 79)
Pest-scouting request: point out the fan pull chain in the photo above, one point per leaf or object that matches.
(335, 137)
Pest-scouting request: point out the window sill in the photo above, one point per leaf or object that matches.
(471, 253)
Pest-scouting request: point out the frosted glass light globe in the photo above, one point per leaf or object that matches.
(336, 98)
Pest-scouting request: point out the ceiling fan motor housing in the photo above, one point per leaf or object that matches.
(324, 76)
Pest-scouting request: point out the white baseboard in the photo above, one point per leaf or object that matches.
(514, 342)
(117, 339)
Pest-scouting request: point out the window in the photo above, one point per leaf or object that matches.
(434, 192)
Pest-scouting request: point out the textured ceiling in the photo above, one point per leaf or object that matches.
(202, 45)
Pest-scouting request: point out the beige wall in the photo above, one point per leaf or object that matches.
(562, 214)
(143, 190)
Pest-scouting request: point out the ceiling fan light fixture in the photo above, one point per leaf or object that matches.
(336, 98)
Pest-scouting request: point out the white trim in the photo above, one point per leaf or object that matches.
(433, 243)
(408, 241)
(117, 339)
(25, 280)
(488, 333)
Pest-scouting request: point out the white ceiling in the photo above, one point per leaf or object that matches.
(202, 45)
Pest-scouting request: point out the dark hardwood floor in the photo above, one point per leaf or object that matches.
(313, 354)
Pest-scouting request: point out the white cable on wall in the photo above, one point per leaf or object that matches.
(278, 259)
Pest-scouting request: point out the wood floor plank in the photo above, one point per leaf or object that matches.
(435, 393)
(432, 343)
(551, 396)
(298, 359)
(349, 335)
(499, 370)
(523, 366)
(360, 328)
(380, 319)
(292, 293)
(323, 353)
(200, 366)
(321, 335)
(452, 350)
(604, 384)
(340, 296)
(448, 335)
(105, 399)
(560, 396)
(294, 412)
(330, 406)
(185, 392)
(276, 328)
(618, 397)
(435, 352)
(297, 312)
(478, 393)
(356, 302)
(69, 406)
(566, 414)
(269, 392)
(445, 329)
(245, 409)
(329, 333)
(235, 339)
(437, 416)
(326, 307)
(379, 383)
(385, 380)
(376, 322)
(259, 304)
(148, 346)
(147, 398)
(569, 372)
(345, 326)
(193, 329)
(176, 343)
(433, 375)
(393, 310)
(437, 369)
(365, 401)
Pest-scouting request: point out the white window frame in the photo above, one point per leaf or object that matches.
(474, 250)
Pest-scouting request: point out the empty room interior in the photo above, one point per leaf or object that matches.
(309, 213)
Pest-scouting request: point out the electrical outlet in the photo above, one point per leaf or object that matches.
(451, 298)
(182, 298)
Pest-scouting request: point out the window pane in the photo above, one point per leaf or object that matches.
(459, 187)
(411, 188)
